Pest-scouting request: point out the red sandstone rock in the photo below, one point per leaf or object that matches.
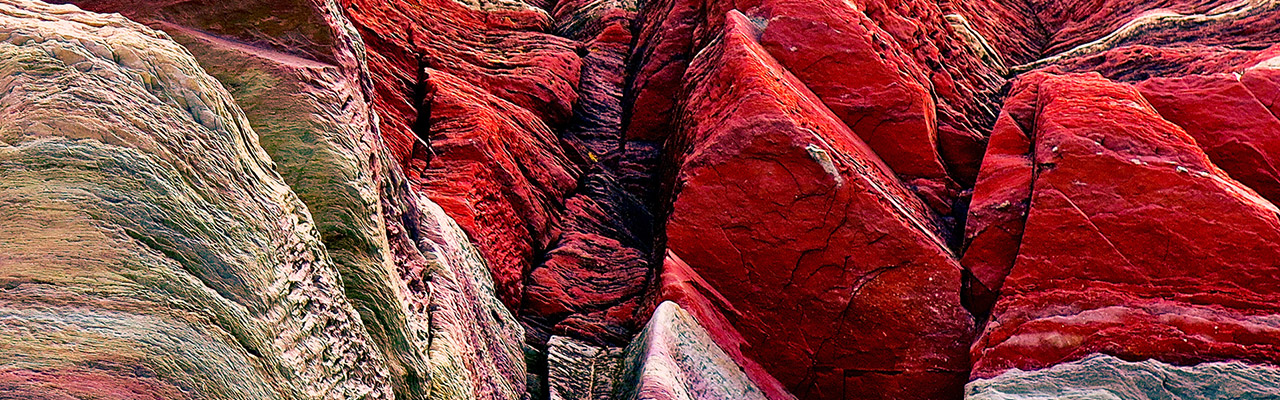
(963, 80)
(1007, 30)
(1140, 62)
(921, 98)
(595, 270)
(1136, 245)
(1235, 130)
(497, 47)
(1263, 80)
(998, 209)
(884, 103)
(664, 46)
(1075, 24)
(496, 169)
(842, 289)
(473, 132)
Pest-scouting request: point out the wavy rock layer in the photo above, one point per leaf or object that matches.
(166, 255)
(411, 278)
(1106, 377)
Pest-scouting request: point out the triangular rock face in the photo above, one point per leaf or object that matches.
(675, 358)
(918, 97)
(1135, 244)
(884, 103)
(841, 286)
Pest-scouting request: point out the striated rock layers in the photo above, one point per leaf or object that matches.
(1122, 225)
(208, 215)
(640, 199)
(1164, 257)
(151, 249)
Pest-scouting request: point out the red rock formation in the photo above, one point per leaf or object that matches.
(1236, 130)
(496, 46)
(466, 94)
(922, 97)
(842, 288)
(884, 103)
(1077, 24)
(962, 74)
(811, 159)
(604, 28)
(496, 169)
(596, 270)
(1263, 80)
(998, 209)
(1135, 244)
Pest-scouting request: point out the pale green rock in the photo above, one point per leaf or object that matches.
(1103, 377)
(148, 240)
(577, 370)
(675, 358)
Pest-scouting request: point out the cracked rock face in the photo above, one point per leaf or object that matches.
(1164, 257)
(640, 199)
(835, 270)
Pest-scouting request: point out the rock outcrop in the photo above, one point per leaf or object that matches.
(150, 245)
(674, 358)
(1125, 204)
(310, 110)
(1164, 256)
(922, 98)
(595, 273)
(640, 199)
(841, 285)
(300, 81)
(466, 95)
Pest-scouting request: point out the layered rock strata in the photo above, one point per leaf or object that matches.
(496, 199)
(150, 245)
(1164, 257)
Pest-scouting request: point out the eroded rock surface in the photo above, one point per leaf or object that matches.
(165, 255)
(648, 199)
(580, 370)
(842, 287)
(1106, 377)
(1164, 256)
